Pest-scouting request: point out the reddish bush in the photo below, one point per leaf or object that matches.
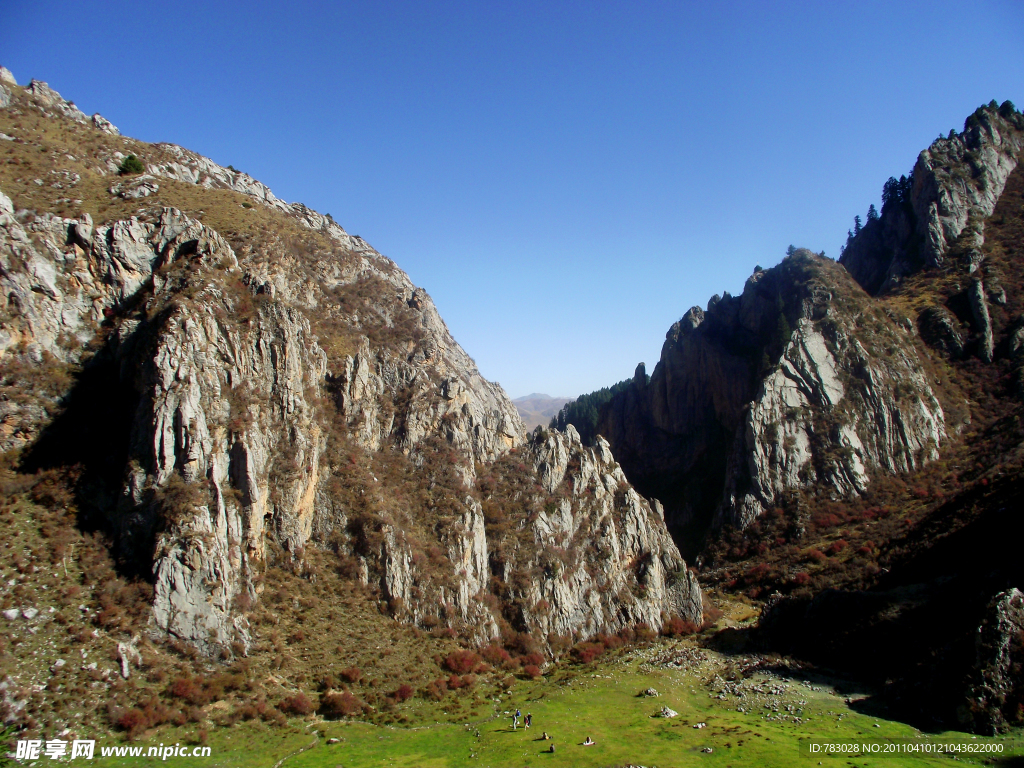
(535, 659)
(299, 704)
(825, 520)
(816, 556)
(134, 721)
(532, 670)
(837, 546)
(495, 655)
(191, 690)
(677, 627)
(461, 662)
(454, 682)
(587, 652)
(403, 693)
(801, 579)
(351, 675)
(342, 704)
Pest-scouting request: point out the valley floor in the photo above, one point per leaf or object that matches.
(756, 711)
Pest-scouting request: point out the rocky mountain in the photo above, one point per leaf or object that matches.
(237, 380)
(845, 436)
(537, 410)
(798, 385)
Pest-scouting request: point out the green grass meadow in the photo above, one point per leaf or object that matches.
(600, 701)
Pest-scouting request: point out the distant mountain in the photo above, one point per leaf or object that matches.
(537, 409)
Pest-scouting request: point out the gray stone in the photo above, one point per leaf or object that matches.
(982, 321)
(105, 125)
(6, 77)
(997, 650)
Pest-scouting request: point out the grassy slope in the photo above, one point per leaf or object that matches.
(600, 701)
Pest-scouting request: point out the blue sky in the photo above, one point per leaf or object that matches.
(565, 180)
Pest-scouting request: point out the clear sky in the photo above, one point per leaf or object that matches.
(565, 179)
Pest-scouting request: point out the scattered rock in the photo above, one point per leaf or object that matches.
(128, 654)
(140, 186)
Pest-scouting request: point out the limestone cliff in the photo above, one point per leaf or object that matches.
(798, 384)
(282, 385)
(953, 188)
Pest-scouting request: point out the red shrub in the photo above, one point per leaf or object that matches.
(461, 662)
(342, 704)
(535, 659)
(676, 627)
(190, 689)
(299, 704)
(532, 670)
(352, 675)
(134, 721)
(816, 556)
(454, 682)
(825, 520)
(837, 546)
(587, 652)
(801, 579)
(495, 655)
(403, 693)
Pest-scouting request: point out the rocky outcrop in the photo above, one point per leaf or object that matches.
(260, 383)
(799, 384)
(982, 320)
(942, 208)
(577, 552)
(623, 568)
(995, 690)
(52, 102)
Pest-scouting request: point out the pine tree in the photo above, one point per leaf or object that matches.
(872, 213)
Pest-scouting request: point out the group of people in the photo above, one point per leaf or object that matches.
(588, 742)
(526, 723)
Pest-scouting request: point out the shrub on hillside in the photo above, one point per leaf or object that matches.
(462, 662)
(403, 692)
(131, 166)
(299, 704)
(588, 652)
(676, 626)
(495, 655)
(342, 704)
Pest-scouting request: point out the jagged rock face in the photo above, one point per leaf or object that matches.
(956, 183)
(624, 568)
(562, 546)
(797, 384)
(994, 691)
(229, 402)
(256, 370)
